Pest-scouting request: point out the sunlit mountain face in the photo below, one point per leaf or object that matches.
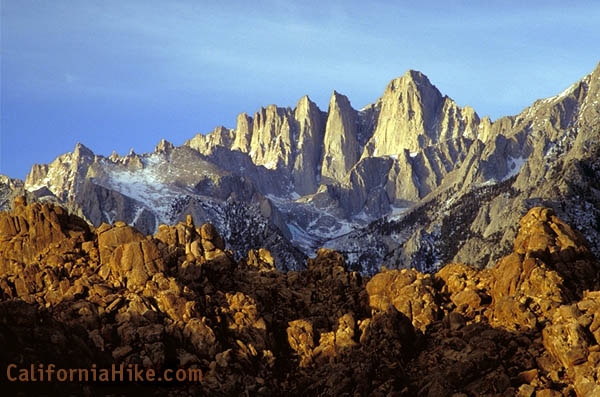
(411, 180)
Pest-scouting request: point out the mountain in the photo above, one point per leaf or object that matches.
(381, 184)
(10, 188)
(80, 297)
(546, 155)
(162, 188)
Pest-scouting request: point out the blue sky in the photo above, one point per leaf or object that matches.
(122, 74)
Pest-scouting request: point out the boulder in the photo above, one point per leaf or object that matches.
(136, 262)
(408, 291)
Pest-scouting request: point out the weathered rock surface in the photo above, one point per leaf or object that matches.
(409, 292)
(414, 115)
(76, 296)
(340, 145)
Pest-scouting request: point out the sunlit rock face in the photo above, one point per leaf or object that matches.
(414, 115)
(78, 296)
(340, 146)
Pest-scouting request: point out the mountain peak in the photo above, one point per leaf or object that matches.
(415, 75)
(412, 78)
(82, 150)
(304, 98)
(163, 146)
(595, 75)
(305, 103)
(339, 100)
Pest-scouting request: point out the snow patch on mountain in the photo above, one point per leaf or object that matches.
(396, 212)
(145, 186)
(514, 165)
(563, 94)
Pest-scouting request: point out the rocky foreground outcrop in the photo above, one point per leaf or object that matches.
(75, 296)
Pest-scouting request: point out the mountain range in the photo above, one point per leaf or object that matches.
(412, 180)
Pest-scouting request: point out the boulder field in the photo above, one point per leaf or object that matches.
(74, 295)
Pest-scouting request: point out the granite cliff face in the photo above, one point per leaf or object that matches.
(74, 295)
(305, 173)
(414, 115)
(397, 173)
(340, 146)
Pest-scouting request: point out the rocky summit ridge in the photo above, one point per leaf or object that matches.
(397, 174)
(74, 295)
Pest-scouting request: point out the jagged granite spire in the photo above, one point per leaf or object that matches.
(340, 146)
